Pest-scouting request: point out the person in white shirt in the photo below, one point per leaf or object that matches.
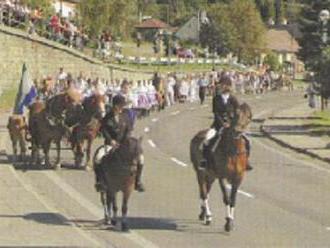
(170, 91)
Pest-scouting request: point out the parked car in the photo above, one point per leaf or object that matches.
(185, 53)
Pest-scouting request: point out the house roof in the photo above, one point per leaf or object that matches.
(280, 40)
(153, 23)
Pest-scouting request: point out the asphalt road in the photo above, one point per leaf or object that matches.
(283, 202)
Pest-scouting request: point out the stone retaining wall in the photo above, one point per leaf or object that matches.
(44, 57)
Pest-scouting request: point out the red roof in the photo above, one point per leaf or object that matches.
(153, 23)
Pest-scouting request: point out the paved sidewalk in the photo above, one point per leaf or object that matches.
(26, 219)
(294, 128)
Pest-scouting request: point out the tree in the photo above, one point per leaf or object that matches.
(272, 60)
(45, 5)
(311, 42)
(115, 15)
(249, 29)
(267, 9)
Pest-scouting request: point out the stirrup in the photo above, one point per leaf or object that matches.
(140, 187)
(202, 164)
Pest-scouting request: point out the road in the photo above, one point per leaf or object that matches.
(283, 202)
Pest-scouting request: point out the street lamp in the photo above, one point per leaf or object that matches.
(324, 19)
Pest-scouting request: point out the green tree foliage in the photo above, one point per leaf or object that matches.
(272, 60)
(323, 73)
(311, 43)
(237, 27)
(118, 16)
(267, 9)
(45, 5)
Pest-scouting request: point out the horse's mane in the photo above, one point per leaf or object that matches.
(244, 117)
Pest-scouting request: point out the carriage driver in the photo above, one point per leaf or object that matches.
(225, 107)
(115, 128)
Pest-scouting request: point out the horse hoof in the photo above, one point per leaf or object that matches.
(57, 166)
(229, 225)
(124, 227)
(208, 220)
(201, 217)
(113, 222)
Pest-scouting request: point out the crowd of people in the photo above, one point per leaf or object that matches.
(160, 91)
(61, 29)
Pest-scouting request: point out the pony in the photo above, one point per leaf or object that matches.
(118, 171)
(46, 125)
(17, 128)
(88, 123)
(228, 165)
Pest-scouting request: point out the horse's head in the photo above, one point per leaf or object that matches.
(95, 106)
(244, 113)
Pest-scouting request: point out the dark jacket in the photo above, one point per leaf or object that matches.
(225, 112)
(116, 129)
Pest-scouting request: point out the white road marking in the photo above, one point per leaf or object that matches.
(154, 120)
(328, 228)
(175, 113)
(192, 108)
(242, 192)
(94, 209)
(175, 160)
(146, 129)
(41, 199)
(151, 143)
(205, 106)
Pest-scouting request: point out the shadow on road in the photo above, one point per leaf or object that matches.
(135, 223)
(43, 218)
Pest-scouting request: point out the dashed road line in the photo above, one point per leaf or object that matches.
(154, 120)
(192, 109)
(151, 143)
(175, 112)
(175, 160)
(243, 192)
(328, 228)
(146, 129)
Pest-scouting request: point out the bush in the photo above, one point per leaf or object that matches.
(272, 61)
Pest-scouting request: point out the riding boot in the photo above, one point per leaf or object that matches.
(99, 183)
(248, 149)
(204, 161)
(138, 184)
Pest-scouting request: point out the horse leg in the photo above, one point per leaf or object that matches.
(124, 210)
(58, 158)
(14, 145)
(46, 148)
(208, 213)
(202, 195)
(230, 218)
(88, 154)
(23, 148)
(226, 201)
(114, 209)
(107, 214)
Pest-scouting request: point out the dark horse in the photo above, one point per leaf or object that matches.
(46, 125)
(88, 123)
(118, 170)
(224, 166)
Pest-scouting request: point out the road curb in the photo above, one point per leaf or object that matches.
(287, 145)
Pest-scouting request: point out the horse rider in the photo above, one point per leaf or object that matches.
(225, 106)
(115, 128)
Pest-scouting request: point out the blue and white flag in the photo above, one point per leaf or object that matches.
(27, 92)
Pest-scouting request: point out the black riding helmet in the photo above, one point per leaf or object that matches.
(118, 100)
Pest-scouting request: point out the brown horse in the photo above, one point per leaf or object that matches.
(224, 166)
(17, 128)
(118, 171)
(87, 128)
(46, 125)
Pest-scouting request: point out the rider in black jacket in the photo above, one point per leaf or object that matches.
(116, 127)
(225, 107)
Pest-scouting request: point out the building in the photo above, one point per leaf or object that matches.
(285, 46)
(67, 7)
(149, 27)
